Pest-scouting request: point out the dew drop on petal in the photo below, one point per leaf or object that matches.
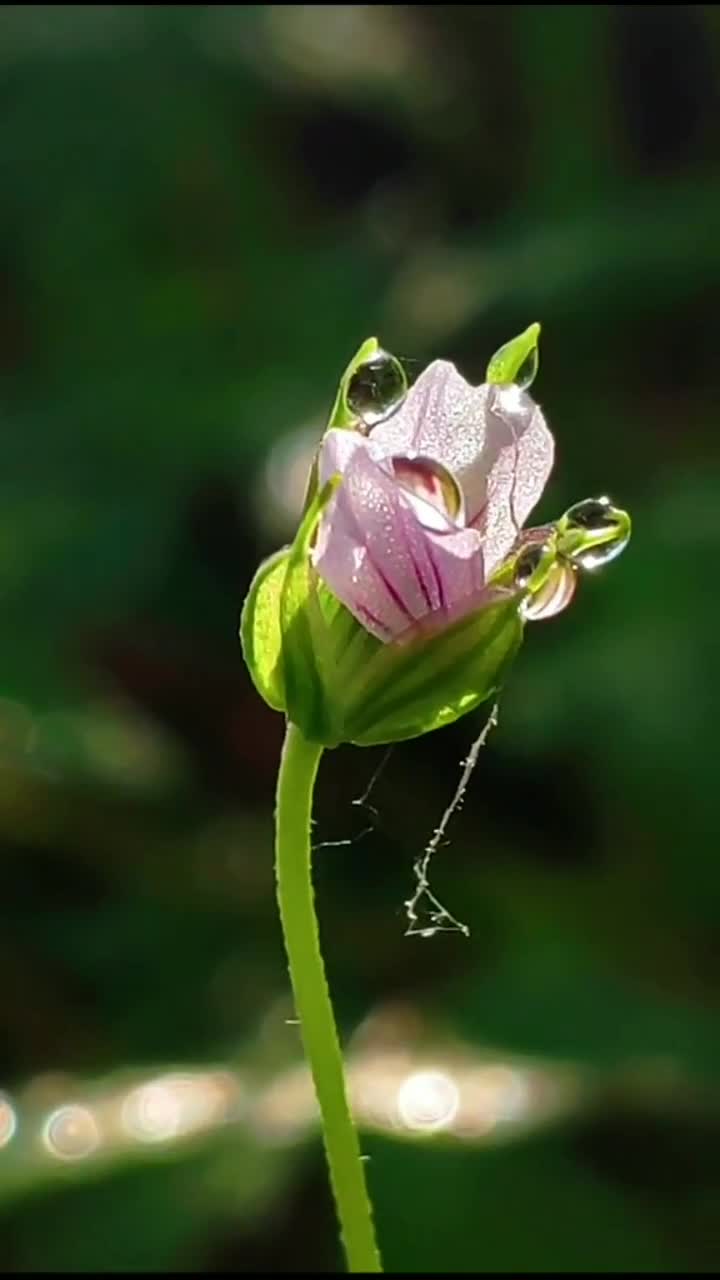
(431, 482)
(376, 389)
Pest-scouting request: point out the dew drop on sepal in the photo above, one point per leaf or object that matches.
(376, 389)
(553, 596)
(598, 519)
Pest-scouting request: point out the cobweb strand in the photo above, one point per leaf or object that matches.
(423, 899)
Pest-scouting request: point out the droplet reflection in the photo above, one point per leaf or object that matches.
(529, 561)
(433, 488)
(527, 372)
(553, 596)
(606, 527)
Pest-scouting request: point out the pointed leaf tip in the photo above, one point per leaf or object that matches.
(517, 361)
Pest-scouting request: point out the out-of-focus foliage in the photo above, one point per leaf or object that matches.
(204, 210)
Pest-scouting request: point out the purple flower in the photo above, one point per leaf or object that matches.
(431, 502)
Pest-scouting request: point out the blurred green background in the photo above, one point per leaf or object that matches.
(204, 210)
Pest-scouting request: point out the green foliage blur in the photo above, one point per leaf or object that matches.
(204, 211)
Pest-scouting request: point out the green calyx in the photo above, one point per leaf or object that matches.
(310, 658)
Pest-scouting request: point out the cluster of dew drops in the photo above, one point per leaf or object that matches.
(377, 389)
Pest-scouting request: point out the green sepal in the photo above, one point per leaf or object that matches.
(303, 630)
(274, 623)
(261, 629)
(517, 360)
(410, 688)
(310, 657)
(340, 415)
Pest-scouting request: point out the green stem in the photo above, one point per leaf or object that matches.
(298, 770)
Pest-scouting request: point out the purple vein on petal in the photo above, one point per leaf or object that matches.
(421, 580)
(408, 514)
(391, 590)
(373, 620)
(438, 577)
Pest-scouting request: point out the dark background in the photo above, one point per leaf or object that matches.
(203, 212)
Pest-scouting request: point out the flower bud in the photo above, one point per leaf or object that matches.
(402, 600)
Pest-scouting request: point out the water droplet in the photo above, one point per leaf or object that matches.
(606, 530)
(434, 485)
(376, 389)
(527, 372)
(529, 561)
(592, 514)
(428, 933)
(553, 596)
(595, 557)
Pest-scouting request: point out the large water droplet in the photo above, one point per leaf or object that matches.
(607, 530)
(592, 514)
(434, 489)
(553, 596)
(376, 389)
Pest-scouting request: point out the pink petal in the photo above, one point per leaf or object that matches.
(444, 418)
(518, 455)
(376, 555)
(494, 440)
(338, 447)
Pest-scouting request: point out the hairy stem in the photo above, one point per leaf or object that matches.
(298, 770)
